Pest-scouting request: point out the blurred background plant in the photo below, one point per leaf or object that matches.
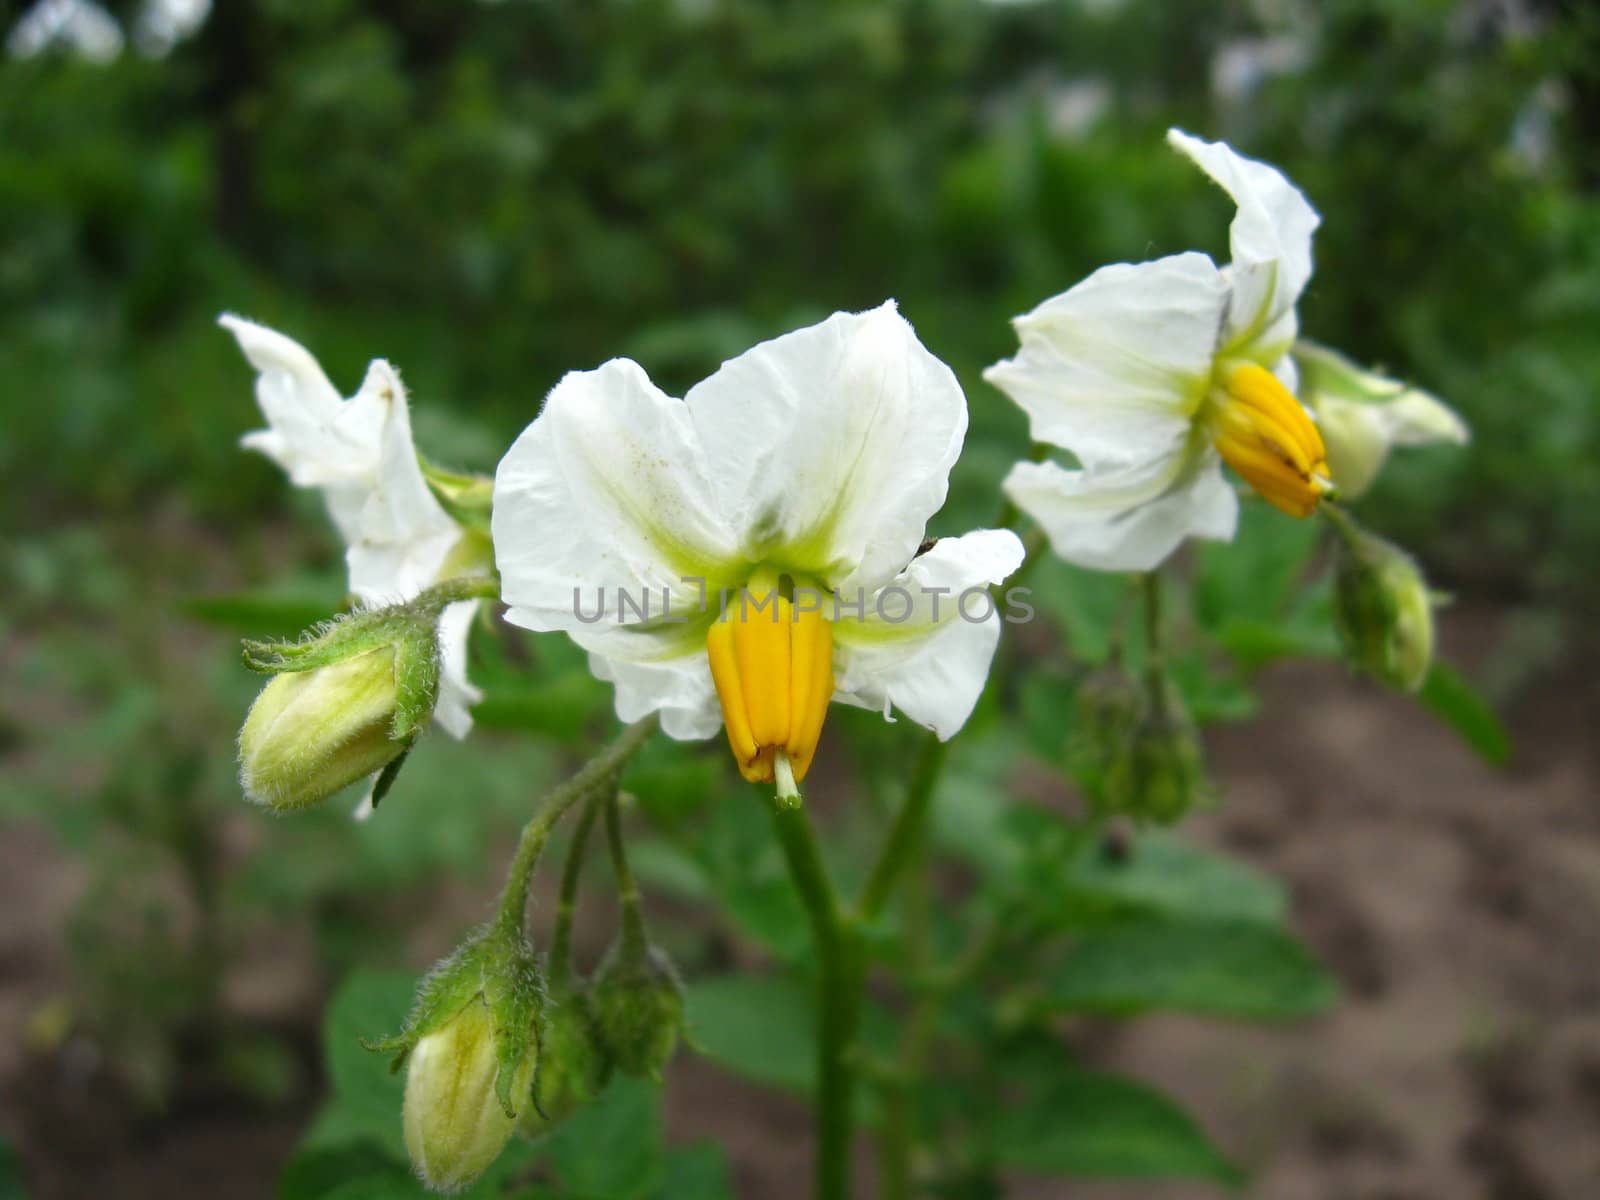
(491, 194)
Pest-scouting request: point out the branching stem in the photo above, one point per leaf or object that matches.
(598, 772)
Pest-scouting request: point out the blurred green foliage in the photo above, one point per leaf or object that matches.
(494, 194)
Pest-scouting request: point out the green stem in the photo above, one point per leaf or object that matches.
(933, 989)
(463, 587)
(1153, 628)
(592, 775)
(567, 906)
(899, 1133)
(841, 978)
(1343, 523)
(905, 835)
(633, 939)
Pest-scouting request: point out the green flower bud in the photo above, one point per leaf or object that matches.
(345, 702)
(1159, 774)
(637, 1003)
(454, 1123)
(1104, 709)
(1383, 609)
(473, 1047)
(313, 732)
(572, 1068)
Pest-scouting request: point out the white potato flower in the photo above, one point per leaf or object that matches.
(359, 453)
(1152, 374)
(757, 542)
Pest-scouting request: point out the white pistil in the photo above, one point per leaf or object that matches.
(783, 773)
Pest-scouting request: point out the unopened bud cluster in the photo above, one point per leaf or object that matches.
(1136, 748)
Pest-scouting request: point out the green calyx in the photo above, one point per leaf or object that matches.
(410, 629)
(572, 1066)
(497, 968)
(1383, 609)
(638, 1007)
(348, 700)
(1104, 708)
(1155, 770)
(472, 1048)
(467, 498)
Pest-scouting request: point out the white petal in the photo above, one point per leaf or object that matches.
(453, 710)
(318, 439)
(1114, 368)
(830, 447)
(403, 534)
(1355, 442)
(1359, 434)
(930, 667)
(1270, 240)
(1419, 418)
(680, 689)
(606, 489)
(1127, 519)
(1364, 413)
(360, 453)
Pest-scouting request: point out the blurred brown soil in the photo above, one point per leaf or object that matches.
(1459, 905)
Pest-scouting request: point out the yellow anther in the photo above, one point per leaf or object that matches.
(772, 663)
(1264, 434)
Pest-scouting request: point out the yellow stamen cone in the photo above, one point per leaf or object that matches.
(1264, 434)
(811, 667)
(774, 679)
(761, 645)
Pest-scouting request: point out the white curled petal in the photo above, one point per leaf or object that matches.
(319, 439)
(359, 452)
(1419, 418)
(932, 665)
(1127, 519)
(1362, 414)
(606, 489)
(403, 534)
(1114, 368)
(831, 447)
(1270, 241)
(453, 710)
(1359, 435)
(680, 689)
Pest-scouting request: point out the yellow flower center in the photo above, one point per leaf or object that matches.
(772, 661)
(1264, 434)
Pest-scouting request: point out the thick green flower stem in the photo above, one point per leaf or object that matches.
(898, 1134)
(904, 853)
(905, 835)
(598, 772)
(567, 906)
(933, 987)
(841, 978)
